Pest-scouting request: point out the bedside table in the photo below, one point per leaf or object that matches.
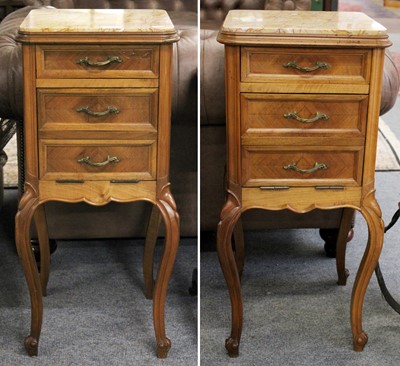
(303, 92)
(97, 105)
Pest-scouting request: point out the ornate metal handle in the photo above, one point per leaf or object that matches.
(87, 62)
(110, 159)
(316, 167)
(109, 110)
(318, 65)
(318, 116)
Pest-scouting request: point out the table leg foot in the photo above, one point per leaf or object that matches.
(31, 345)
(163, 348)
(343, 279)
(232, 346)
(360, 341)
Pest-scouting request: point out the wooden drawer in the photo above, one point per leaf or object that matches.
(71, 160)
(303, 115)
(263, 166)
(109, 61)
(97, 109)
(281, 65)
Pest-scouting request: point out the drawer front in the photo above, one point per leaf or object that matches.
(97, 160)
(308, 115)
(305, 65)
(97, 109)
(100, 61)
(263, 166)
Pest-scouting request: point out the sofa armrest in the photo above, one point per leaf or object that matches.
(390, 84)
(11, 65)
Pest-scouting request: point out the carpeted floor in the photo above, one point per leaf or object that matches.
(95, 313)
(294, 312)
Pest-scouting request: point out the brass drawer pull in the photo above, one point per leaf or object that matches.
(110, 110)
(316, 167)
(87, 62)
(318, 65)
(110, 159)
(318, 116)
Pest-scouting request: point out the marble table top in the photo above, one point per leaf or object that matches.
(97, 20)
(326, 23)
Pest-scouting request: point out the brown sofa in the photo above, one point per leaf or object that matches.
(117, 220)
(212, 112)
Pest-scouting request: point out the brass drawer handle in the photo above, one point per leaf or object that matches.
(318, 116)
(316, 167)
(87, 62)
(110, 110)
(110, 159)
(318, 65)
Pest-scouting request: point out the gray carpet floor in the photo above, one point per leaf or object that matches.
(95, 312)
(294, 312)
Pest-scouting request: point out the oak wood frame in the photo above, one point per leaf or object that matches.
(299, 199)
(97, 192)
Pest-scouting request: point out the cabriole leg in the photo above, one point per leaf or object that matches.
(345, 226)
(44, 245)
(149, 247)
(167, 207)
(372, 214)
(239, 246)
(27, 207)
(229, 215)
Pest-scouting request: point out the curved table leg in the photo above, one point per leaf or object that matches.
(237, 235)
(149, 247)
(239, 246)
(23, 219)
(372, 214)
(229, 215)
(44, 246)
(344, 229)
(167, 207)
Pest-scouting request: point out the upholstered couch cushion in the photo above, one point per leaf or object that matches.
(11, 65)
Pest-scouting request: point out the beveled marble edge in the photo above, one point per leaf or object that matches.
(311, 23)
(49, 20)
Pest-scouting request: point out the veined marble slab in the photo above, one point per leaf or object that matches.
(328, 23)
(97, 20)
